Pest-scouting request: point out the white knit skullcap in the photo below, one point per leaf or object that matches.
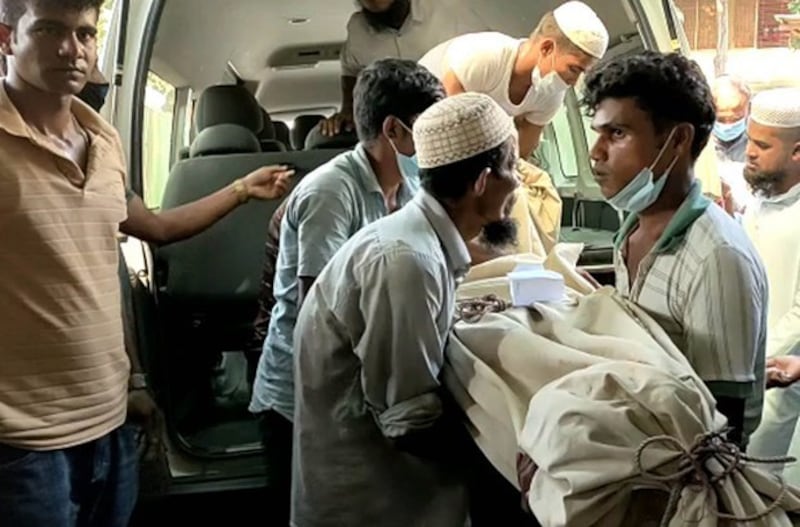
(460, 127)
(581, 25)
(778, 108)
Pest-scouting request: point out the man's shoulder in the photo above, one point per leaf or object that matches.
(487, 43)
(396, 257)
(357, 24)
(403, 236)
(716, 228)
(333, 177)
(716, 237)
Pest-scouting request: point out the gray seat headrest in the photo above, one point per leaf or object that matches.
(282, 133)
(228, 104)
(268, 130)
(303, 124)
(224, 139)
(316, 141)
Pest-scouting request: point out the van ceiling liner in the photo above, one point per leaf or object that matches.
(298, 56)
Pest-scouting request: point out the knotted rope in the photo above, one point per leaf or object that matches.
(472, 310)
(692, 470)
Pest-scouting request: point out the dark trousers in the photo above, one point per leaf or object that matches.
(276, 434)
(493, 500)
(90, 485)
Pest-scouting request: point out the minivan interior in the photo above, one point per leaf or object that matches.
(239, 84)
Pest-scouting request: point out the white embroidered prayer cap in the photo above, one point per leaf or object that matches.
(777, 108)
(460, 127)
(581, 25)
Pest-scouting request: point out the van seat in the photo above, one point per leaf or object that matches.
(282, 133)
(208, 285)
(343, 140)
(228, 104)
(222, 139)
(303, 124)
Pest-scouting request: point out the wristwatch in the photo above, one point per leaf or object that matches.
(240, 189)
(137, 381)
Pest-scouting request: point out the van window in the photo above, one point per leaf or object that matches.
(159, 110)
(566, 148)
(102, 28)
(556, 152)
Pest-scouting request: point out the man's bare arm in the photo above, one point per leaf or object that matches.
(452, 85)
(343, 119)
(188, 220)
(529, 136)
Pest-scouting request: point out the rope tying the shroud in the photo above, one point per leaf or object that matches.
(472, 310)
(692, 470)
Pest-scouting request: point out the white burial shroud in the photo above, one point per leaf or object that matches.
(581, 387)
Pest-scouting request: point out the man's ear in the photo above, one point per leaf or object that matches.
(683, 138)
(480, 184)
(390, 127)
(6, 34)
(546, 47)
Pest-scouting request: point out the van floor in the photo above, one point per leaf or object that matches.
(243, 508)
(226, 437)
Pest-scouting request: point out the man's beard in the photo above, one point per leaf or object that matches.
(394, 17)
(764, 183)
(500, 234)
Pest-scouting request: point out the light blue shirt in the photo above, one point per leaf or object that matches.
(326, 208)
(369, 349)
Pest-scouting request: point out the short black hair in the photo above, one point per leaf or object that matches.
(452, 182)
(670, 87)
(401, 88)
(12, 10)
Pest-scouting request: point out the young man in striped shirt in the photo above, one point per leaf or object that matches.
(677, 255)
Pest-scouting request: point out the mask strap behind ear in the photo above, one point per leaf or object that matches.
(664, 149)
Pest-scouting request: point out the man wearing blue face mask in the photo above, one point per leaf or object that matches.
(324, 210)
(732, 103)
(683, 260)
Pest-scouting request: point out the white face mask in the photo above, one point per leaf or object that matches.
(551, 85)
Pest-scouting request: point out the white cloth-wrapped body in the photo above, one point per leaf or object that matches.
(579, 386)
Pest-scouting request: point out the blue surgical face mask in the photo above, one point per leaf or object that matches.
(727, 132)
(644, 189)
(407, 165)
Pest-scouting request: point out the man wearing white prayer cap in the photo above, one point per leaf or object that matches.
(773, 224)
(375, 443)
(528, 78)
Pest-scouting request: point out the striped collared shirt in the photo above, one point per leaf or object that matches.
(704, 283)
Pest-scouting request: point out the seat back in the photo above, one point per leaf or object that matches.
(272, 145)
(282, 133)
(212, 280)
(222, 139)
(303, 124)
(343, 140)
(228, 104)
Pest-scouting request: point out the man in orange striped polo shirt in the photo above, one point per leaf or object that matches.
(65, 457)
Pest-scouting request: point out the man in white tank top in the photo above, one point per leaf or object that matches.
(529, 77)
